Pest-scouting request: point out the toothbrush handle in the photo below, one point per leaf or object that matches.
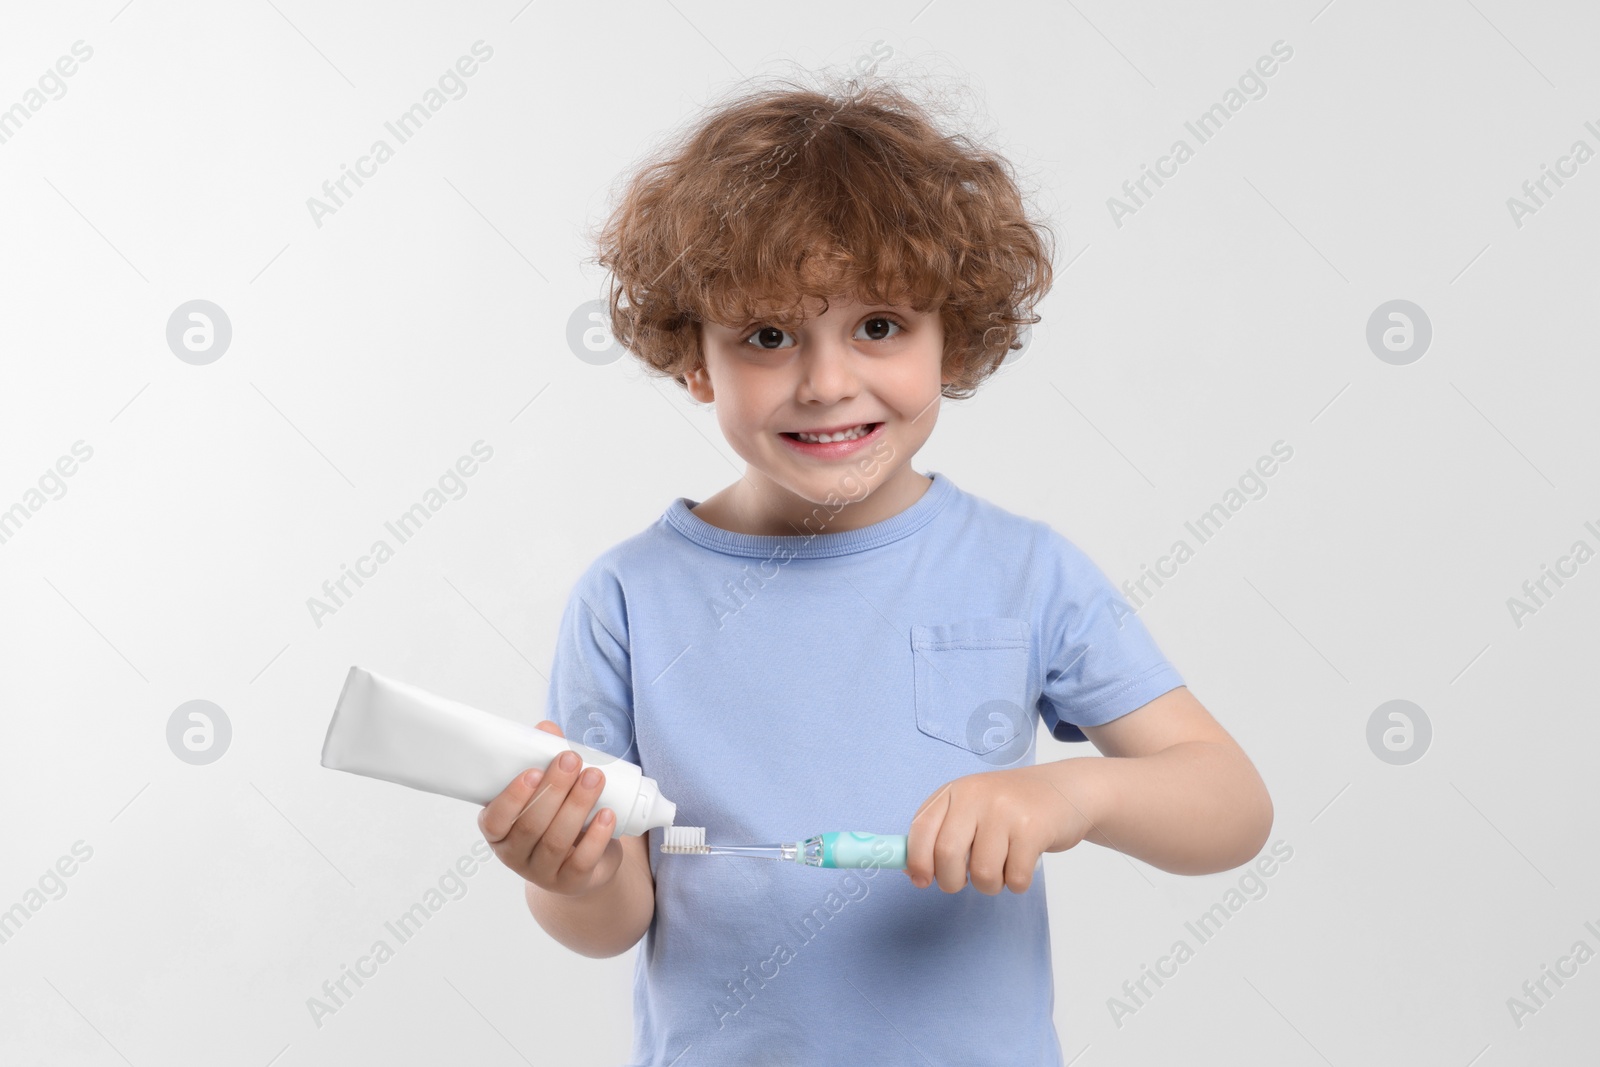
(851, 848)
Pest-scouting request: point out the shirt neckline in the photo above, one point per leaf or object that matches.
(811, 546)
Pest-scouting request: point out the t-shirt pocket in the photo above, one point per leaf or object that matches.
(971, 681)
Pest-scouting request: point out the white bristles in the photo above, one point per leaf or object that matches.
(689, 840)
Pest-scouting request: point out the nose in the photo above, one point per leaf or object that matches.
(828, 373)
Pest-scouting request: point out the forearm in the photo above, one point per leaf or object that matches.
(1193, 808)
(606, 922)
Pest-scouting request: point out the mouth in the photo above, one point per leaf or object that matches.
(833, 433)
(837, 441)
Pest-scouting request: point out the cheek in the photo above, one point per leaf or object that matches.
(738, 411)
(747, 397)
(917, 383)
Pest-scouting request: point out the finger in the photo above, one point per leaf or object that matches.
(1021, 862)
(987, 865)
(591, 846)
(951, 851)
(920, 838)
(553, 728)
(555, 844)
(500, 814)
(533, 820)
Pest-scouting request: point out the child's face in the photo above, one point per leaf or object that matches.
(856, 363)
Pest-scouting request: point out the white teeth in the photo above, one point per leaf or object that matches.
(845, 435)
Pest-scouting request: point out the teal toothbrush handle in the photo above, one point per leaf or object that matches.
(851, 848)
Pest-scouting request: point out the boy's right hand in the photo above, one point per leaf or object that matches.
(535, 826)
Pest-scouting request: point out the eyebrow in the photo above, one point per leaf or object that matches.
(772, 315)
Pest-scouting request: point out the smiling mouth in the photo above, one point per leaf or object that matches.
(858, 431)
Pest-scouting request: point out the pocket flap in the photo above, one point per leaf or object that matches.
(990, 632)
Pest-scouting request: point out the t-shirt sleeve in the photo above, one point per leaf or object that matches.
(1099, 661)
(591, 678)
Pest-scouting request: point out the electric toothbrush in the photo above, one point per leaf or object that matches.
(840, 848)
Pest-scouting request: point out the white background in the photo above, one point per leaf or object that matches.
(431, 310)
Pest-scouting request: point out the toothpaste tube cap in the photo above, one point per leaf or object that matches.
(650, 810)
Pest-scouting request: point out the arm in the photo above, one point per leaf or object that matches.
(608, 921)
(1176, 791)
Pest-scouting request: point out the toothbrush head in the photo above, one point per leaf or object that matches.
(684, 841)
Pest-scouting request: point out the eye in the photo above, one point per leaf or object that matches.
(770, 338)
(878, 325)
(766, 334)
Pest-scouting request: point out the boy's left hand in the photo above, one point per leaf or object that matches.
(994, 824)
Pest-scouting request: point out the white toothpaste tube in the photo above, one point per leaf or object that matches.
(396, 732)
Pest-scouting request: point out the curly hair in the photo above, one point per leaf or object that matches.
(787, 193)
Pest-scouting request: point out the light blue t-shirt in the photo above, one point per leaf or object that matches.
(777, 687)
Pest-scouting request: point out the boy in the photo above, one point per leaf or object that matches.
(840, 642)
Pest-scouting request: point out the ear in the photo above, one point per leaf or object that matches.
(698, 383)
